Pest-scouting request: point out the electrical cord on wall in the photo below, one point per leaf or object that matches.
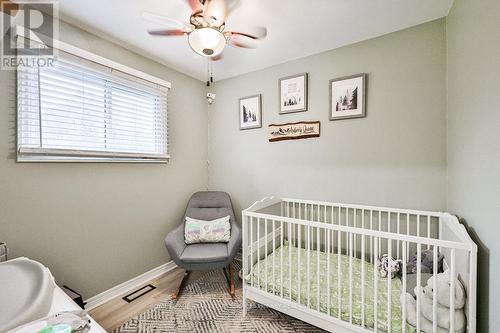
(208, 146)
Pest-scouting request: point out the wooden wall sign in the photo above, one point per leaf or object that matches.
(294, 131)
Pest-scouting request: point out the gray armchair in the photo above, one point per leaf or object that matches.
(208, 205)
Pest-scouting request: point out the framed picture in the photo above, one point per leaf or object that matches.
(348, 97)
(250, 112)
(293, 93)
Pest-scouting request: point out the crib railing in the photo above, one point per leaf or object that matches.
(353, 233)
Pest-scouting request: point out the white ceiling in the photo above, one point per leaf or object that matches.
(296, 28)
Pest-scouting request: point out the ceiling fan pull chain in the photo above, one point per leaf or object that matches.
(208, 72)
(211, 70)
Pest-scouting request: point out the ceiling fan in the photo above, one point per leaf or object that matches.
(206, 28)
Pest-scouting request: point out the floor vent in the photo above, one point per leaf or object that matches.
(138, 293)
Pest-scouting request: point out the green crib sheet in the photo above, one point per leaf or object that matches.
(258, 273)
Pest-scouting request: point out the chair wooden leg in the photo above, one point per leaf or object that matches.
(177, 292)
(230, 278)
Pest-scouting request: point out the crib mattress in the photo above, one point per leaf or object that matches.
(309, 277)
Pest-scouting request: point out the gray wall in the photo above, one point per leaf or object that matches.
(474, 140)
(394, 157)
(97, 225)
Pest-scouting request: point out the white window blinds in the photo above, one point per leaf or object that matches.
(80, 110)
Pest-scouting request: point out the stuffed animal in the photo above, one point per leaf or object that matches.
(443, 290)
(411, 315)
(426, 259)
(443, 311)
(383, 266)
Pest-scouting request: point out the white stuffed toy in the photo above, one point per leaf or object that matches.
(411, 317)
(443, 311)
(443, 290)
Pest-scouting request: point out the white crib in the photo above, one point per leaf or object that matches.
(296, 251)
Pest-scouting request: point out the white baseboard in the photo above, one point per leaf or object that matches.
(129, 285)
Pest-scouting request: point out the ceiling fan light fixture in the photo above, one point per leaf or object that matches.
(207, 42)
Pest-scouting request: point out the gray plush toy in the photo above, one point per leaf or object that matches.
(427, 263)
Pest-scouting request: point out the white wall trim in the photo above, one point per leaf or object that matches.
(129, 285)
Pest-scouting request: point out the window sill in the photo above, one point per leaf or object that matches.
(62, 159)
(89, 160)
(81, 156)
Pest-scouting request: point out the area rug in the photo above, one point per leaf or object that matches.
(206, 306)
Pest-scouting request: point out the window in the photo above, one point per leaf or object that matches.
(79, 110)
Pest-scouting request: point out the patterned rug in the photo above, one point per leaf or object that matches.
(206, 306)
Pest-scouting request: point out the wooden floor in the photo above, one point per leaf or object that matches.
(112, 314)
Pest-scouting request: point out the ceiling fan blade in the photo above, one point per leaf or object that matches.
(165, 21)
(257, 33)
(174, 32)
(244, 42)
(195, 5)
(215, 12)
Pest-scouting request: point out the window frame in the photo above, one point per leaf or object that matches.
(25, 154)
